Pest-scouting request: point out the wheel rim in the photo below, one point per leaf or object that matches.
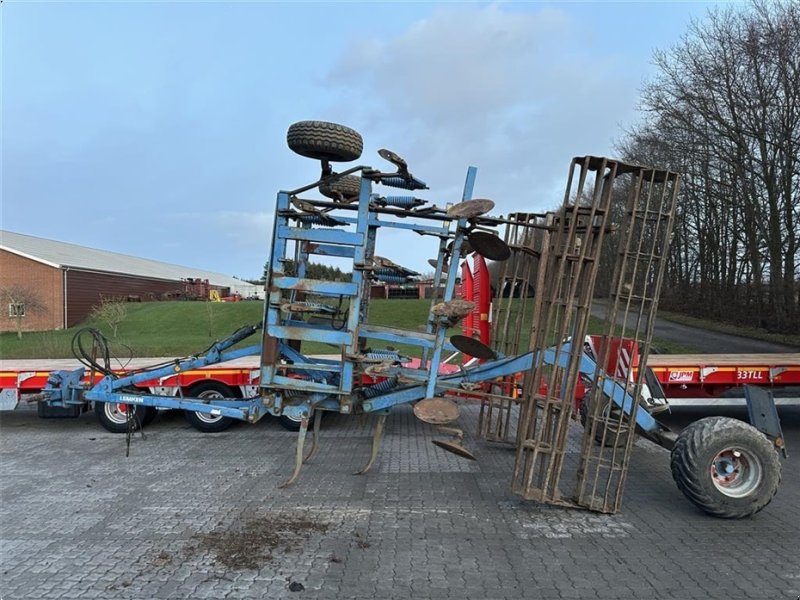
(205, 417)
(736, 472)
(116, 413)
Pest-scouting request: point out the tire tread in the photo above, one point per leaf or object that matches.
(693, 478)
(324, 141)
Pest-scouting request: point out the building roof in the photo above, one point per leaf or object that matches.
(61, 254)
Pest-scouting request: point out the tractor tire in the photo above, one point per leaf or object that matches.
(113, 417)
(725, 467)
(611, 439)
(346, 188)
(321, 140)
(205, 422)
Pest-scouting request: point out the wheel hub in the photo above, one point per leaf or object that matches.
(736, 472)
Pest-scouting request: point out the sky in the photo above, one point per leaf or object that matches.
(158, 129)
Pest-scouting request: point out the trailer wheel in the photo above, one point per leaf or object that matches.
(114, 417)
(346, 188)
(294, 424)
(205, 422)
(321, 140)
(725, 467)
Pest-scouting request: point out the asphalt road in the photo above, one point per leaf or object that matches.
(703, 340)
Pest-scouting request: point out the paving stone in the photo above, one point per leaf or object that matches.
(78, 520)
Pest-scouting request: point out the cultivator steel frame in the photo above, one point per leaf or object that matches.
(362, 378)
(543, 281)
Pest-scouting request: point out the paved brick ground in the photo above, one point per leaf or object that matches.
(176, 520)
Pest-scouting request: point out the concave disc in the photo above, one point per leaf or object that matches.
(489, 245)
(472, 347)
(436, 411)
(469, 209)
(455, 448)
(432, 262)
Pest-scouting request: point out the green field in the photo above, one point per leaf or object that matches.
(184, 328)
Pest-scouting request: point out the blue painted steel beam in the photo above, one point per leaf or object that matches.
(315, 286)
(110, 383)
(303, 385)
(374, 221)
(311, 334)
(611, 388)
(452, 274)
(296, 357)
(484, 372)
(244, 410)
(327, 236)
(401, 336)
(329, 250)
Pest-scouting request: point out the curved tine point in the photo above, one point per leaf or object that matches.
(298, 456)
(315, 437)
(376, 443)
(291, 479)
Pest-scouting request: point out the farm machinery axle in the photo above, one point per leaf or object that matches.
(526, 388)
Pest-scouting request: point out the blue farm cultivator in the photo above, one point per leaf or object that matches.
(525, 379)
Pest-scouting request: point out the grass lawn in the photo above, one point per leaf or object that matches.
(180, 328)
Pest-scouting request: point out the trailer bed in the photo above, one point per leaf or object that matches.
(711, 375)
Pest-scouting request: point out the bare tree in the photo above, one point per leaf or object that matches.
(111, 311)
(724, 109)
(21, 300)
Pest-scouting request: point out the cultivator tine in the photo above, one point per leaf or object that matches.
(314, 437)
(377, 436)
(298, 454)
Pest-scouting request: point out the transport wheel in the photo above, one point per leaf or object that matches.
(114, 417)
(346, 188)
(611, 438)
(725, 467)
(205, 422)
(321, 140)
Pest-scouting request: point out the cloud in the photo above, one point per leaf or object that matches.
(515, 90)
(460, 64)
(243, 229)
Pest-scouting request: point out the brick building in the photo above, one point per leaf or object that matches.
(64, 281)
